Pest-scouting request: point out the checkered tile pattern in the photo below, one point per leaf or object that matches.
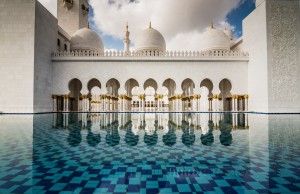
(113, 160)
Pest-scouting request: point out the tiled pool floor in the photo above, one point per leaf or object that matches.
(138, 153)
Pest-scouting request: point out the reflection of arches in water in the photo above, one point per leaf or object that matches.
(208, 138)
(130, 138)
(225, 136)
(93, 139)
(188, 137)
(151, 140)
(112, 137)
(169, 138)
(74, 138)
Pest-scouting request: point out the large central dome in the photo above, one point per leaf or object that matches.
(86, 39)
(150, 40)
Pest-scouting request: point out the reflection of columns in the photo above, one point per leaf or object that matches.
(234, 121)
(246, 121)
(65, 120)
(54, 97)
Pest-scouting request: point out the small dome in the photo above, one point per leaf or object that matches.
(215, 39)
(228, 33)
(150, 40)
(86, 39)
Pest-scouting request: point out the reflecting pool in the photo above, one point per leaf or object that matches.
(149, 153)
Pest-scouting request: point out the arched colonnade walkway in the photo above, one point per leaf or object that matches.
(149, 96)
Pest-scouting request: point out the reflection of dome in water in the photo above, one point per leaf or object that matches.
(74, 138)
(188, 136)
(112, 137)
(151, 140)
(169, 138)
(130, 138)
(225, 136)
(93, 139)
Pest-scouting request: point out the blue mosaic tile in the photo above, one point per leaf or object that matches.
(42, 155)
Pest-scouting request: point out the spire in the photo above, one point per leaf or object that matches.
(212, 25)
(150, 24)
(126, 40)
(126, 27)
(88, 25)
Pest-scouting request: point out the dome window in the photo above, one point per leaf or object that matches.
(68, 4)
(85, 9)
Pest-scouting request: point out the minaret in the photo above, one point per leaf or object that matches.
(72, 15)
(126, 40)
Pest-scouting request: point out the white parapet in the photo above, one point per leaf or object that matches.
(151, 55)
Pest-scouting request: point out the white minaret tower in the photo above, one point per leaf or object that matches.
(126, 40)
(72, 15)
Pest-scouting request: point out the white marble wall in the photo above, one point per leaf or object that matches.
(271, 35)
(17, 55)
(255, 42)
(45, 43)
(283, 24)
(216, 71)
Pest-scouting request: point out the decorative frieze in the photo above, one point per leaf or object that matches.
(285, 62)
(173, 54)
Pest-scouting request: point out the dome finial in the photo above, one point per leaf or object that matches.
(212, 25)
(126, 27)
(150, 24)
(88, 25)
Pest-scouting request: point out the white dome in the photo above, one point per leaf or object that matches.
(215, 39)
(228, 33)
(150, 40)
(86, 39)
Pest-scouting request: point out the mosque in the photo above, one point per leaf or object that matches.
(59, 64)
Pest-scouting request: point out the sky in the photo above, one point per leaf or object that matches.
(181, 22)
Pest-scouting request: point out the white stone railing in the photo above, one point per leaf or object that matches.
(185, 54)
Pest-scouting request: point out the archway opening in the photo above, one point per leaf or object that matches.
(188, 87)
(112, 87)
(169, 88)
(132, 89)
(75, 87)
(206, 87)
(150, 88)
(225, 88)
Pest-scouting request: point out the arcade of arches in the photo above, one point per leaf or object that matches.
(147, 97)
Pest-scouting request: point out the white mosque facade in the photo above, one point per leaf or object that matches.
(59, 64)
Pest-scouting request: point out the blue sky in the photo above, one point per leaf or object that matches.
(181, 22)
(234, 18)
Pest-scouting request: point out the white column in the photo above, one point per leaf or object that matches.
(54, 97)
(246, 97)
(233, 103)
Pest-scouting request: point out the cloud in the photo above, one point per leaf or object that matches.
(180, 22)
(50, 5)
